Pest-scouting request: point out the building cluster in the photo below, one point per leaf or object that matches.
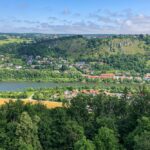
(31, 62)
(60, 63)
(116, 77)
(46, 62)
(7, 63)
(147, 77)
(74, 93)
(70, 94)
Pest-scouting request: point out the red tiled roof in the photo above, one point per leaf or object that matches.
(102, 76)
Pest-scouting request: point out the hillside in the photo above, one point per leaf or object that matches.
(79, 53)
(7, 39)
(78, 46)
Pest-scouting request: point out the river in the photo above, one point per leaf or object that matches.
(22, 86)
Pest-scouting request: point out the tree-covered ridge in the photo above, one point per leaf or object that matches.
(33, 44)
(124, 53)
(87, 122)
(78, 46)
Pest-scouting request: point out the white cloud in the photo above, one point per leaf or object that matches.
(137, 24)
(66, 11)
(101, 21)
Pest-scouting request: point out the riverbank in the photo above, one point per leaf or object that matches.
(37, 75)
(23, 86)
(16, 86)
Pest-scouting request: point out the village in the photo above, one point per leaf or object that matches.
(60, 64)
(119, 77)
(74, 93)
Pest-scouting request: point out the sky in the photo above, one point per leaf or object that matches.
(75, 16)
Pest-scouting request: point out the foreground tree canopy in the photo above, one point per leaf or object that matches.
(89, 123)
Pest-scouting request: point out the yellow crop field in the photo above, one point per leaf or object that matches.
(48, 104)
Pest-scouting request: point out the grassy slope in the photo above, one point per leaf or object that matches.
(75, 47)
(134, 47)
(12, 40)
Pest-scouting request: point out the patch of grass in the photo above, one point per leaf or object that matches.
(136, 47)
(12, 40)
(128, 46)
(148, 63)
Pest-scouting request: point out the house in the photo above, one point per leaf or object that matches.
(78, 64)
(107, 76)
(102, 76)
(92, 77)
(38, 57)
(138, 78)
(67, 92)
(70, 94)
(18, 67)
(122, 77)
(29, 62)
(147, 77)
(90, 92)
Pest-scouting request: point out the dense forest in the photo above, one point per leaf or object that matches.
(86, 123)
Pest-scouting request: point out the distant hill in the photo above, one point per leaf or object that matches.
(125, 52)
(81, 47)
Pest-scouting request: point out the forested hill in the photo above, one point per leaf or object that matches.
(82, 47)
(65, 46)
(105, 53)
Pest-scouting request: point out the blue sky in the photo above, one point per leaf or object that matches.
(75, 16)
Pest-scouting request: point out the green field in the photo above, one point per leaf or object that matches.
(12, 40)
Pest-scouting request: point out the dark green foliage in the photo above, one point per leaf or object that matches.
(139, 137)
(142, 141)
(36, 75)
(89, 123)
(106, 140)
(84, 144)
(126, 62)
(27, 133)
(54, 47)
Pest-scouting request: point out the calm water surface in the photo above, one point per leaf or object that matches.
(21, 86)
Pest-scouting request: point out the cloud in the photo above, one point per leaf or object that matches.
(105, 19)
(76, 15)
(31, 22)
(45, 25)
(52, 18)
(17, 20)
(137, 24)
(98, 22)
(66, 11)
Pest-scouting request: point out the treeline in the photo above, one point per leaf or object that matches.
(3, 37)
(10, 48)
(122, 62)
(127, 62)
(64, 47)
(36, 75)
(87, 123)
(14, 95)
